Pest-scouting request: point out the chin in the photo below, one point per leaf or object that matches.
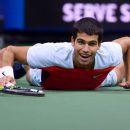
(83, 65)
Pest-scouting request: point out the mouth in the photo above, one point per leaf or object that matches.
(85, 58)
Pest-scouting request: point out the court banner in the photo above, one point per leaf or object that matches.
(59, 15)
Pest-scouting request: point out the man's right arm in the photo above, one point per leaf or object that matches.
(11, 54)
(15, 53)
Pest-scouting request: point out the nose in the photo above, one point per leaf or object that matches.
(86, 48)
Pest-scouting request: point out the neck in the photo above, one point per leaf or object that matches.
(88, 67)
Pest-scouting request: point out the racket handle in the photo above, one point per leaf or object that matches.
(1, 87)
(9, 85)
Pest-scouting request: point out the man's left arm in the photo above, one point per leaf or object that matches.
(125, 44)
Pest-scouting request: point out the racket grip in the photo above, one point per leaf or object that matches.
(1, 87)
(9, 85)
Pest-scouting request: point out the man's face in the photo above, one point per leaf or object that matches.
(85, 48)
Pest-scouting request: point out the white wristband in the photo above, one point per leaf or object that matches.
(7, 71)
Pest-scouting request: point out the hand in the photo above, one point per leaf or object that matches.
(6, 79)
(125, 84)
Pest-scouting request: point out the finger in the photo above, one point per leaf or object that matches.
(13, 82)
(125, 85)
(3, 81)
(10, 79)
(122, 84)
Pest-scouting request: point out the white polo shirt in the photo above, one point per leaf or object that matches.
(61, 54)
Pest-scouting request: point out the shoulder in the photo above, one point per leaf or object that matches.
(62, 46)
(46, 47)
(110, 46)
(53, 45)
(109, 54)
(50, 54)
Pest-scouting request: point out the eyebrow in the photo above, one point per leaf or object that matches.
(93, 41)
(87, 41)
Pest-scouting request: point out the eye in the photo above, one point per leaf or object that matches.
(93, 43)
(80, 41)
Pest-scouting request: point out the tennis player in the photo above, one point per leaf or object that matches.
(85, 51)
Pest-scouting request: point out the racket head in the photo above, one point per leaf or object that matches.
(18, 90)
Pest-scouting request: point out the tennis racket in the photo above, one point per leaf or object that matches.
(18, 90)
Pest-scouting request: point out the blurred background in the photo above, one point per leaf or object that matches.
(31, 21)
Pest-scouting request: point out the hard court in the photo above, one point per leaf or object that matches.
(104, 109)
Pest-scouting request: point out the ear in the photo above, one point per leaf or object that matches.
(72, 40)
(99, 44)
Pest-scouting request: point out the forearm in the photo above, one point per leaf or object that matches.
(8, 57)
(127, 64)
(12, 53)
(7, 62)
(125, 44)
(126, 56)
